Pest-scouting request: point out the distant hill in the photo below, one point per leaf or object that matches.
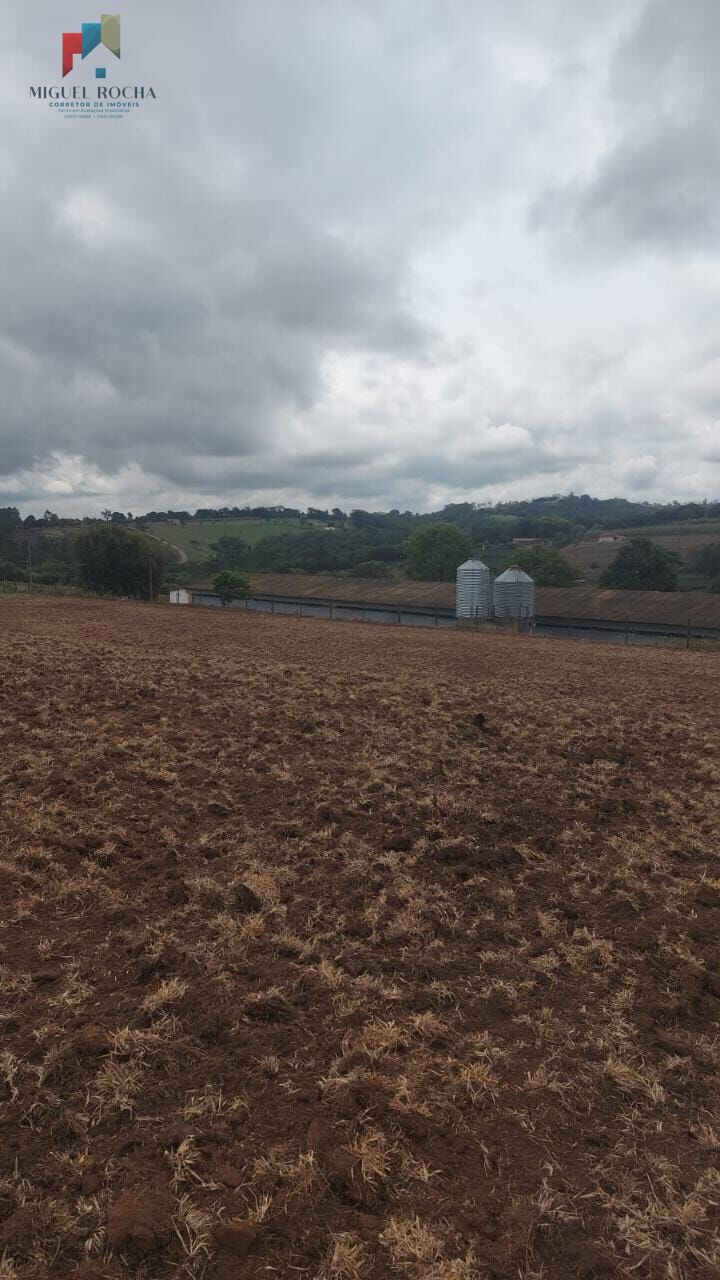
(590, 557)
(196, 537)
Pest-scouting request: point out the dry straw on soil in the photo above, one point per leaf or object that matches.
(308, 971)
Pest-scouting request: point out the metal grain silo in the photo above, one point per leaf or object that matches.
(473, 598)
(514, 594)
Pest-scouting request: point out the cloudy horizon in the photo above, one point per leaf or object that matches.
(362, 255)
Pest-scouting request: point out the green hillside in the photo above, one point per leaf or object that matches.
(681, 529)
(196, 537)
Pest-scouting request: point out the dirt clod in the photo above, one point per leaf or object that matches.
(16, 1233)
(245, 901)
(237, 1236)
(86, 1271)
(320, 1135)
(89, 1042)
(398, 842)
(47, 974)
(229, 1176)
(139, 1220)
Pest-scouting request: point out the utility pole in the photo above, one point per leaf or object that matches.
(150, 577)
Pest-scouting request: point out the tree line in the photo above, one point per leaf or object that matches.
(116, 555)
(561, 513)
(104, 558)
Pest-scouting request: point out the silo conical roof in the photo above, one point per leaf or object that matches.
(514, 573)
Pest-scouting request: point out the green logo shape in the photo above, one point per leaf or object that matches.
(110, 23)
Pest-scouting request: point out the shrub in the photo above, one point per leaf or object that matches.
(231, 585)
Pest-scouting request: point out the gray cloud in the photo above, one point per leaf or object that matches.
(654, 192)
(656, 184)
(359, 253)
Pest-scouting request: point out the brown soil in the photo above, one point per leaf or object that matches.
(354, 953)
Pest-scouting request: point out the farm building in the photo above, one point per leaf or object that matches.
(557, 609)
(670, 612)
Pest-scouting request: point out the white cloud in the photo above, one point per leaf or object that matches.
(366, 254)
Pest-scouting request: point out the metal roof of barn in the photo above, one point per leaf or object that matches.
(304, 586)
(676, 607)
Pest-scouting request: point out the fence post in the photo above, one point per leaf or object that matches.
(687, 640)
(627, 631)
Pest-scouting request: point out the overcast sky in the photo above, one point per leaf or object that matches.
(377, 253)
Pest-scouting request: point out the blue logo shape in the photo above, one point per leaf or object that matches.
(91, 37)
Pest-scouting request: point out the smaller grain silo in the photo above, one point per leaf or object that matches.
(473, 598)
(514, 594)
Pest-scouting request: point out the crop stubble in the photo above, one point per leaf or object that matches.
(342, 952)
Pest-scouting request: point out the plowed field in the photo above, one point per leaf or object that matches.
(353, 953)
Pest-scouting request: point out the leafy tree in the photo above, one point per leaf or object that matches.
(547, 567)
(314, 550)
(641, 565)
(9, 572)
(9, 518)
(435, 550)
(558, 528)
(387, 552)
(500, 528)
(231, 553)
(370, 569)
(554, 524)
(231, 585)
(708, 560)
(10, 522)
(111, 558)
(53, 571)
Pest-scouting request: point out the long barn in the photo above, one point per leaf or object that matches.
(670, 613)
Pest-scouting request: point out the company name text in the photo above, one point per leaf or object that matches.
(81, 91)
